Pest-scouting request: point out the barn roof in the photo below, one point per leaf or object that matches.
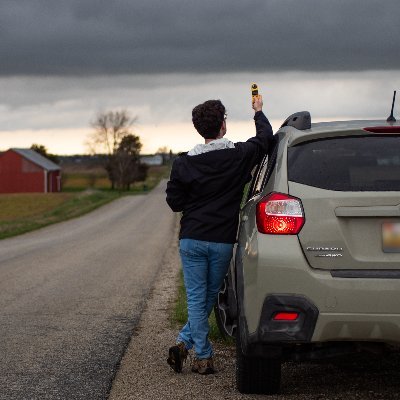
(37, 159)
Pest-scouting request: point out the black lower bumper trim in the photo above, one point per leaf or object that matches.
(366, 273)
(299, 330)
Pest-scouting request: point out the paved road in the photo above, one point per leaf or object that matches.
(70, 295)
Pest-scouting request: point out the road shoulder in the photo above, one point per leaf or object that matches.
(144, 373)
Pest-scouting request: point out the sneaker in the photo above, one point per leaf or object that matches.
(203, 366)
(177, 356)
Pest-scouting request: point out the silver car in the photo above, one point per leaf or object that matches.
(317, 266)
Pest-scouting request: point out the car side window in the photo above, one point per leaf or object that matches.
(260, 179)
(270, 167)
(256, 182)
(262, 173)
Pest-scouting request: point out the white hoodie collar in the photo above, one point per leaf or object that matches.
(217, 144)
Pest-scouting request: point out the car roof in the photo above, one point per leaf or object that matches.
(332, 129)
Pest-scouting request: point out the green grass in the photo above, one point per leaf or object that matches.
(19, 206)
(21, 213)
(179, 314)
(79, 180)
(59, 207)
(155, 174)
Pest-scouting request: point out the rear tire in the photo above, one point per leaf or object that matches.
(225, 308)
(256, 374)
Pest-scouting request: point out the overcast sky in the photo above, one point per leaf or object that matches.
(62, 62)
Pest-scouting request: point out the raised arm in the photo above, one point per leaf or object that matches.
(258, 145)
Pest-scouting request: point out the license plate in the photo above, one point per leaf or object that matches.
(391, 237)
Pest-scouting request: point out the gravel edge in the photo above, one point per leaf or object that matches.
(144, 373)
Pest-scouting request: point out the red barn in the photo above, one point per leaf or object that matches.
(26, 171)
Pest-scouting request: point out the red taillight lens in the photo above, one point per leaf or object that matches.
(383, 129)
(286, 316)
(280, 214)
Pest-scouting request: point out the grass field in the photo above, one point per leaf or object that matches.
(20, 213)
(78, 178)
(21, 206)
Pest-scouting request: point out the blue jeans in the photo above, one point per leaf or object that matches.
(205, 265)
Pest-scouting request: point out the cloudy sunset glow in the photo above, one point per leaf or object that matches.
(65, 62)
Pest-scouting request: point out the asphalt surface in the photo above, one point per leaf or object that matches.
(71, 295)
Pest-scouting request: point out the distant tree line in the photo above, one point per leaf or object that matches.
(42, 150)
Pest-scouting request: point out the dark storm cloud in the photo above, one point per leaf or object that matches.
(71, 37)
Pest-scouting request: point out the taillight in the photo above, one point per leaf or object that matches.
(280, 214)
(383, 129)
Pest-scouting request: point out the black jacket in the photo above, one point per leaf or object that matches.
(208, 187)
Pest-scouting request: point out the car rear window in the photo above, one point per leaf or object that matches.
(357, 163)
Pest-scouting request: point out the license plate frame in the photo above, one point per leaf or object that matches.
(391, 237)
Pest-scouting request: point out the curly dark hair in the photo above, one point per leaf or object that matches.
(208, 117)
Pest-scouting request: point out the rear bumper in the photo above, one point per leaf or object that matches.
(299, 330)
(314, 327)
(357, 327)
(348, 309)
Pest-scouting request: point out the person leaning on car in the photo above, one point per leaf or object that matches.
(206, 185)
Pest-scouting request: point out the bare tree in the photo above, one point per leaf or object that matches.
(164, 152)
(109, 129)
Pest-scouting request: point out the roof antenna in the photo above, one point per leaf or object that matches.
(390, 117)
